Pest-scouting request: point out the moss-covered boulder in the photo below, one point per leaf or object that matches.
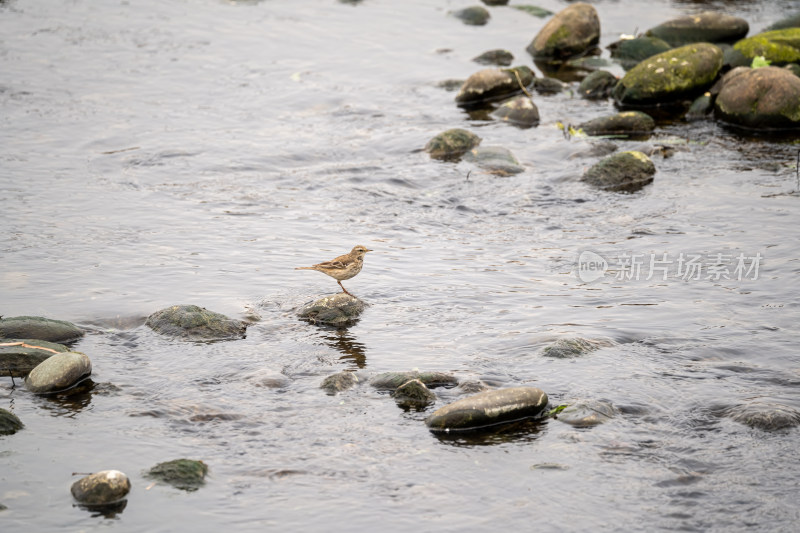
(622, 172)
(630, 52)
(498, 57)
(473, 15)
(494, 160)
(37, 327)
(184, 474)
(338, 310)
(777, 46)
(673, 75)
(493, 84)
(626, 124)
(766, 98)
(19, 356)
(195, 323)
(339, 382)
(708, 27)
(519, 111)
(413, 394)
(572, 31)
(58, 373)
(488, 409)
(450, 145)
(598, 85)
(392, 380)
(101, 488)
(9, 422)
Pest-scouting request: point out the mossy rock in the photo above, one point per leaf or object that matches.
(195, 323)
(708, 26)
(494, 160)
(630, 52)
(571, 347)
(766, 98)
(9, 422)
(450, 145)
(765, 416)
(777, 46)
(519, 111)
(184, 474)
(622, 172)
(37, 327)
(571, 32)
(493, 84)
(392, 380)
(339, 310)
(101, 488)
(487, 409)
(498, 57)
(673, 75)
(19, 356)
(598, 85)
(626, 124)
(339, 382)
(413, 394)
(547, 85)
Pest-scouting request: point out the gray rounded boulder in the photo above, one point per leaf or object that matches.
(708, 27)
(37, 327)
(766, 98)
(339, 382)
(519, 111)
(450, 145)
(488, 409)
(338, 310)
(413, 394)
(195, 323)
(495, 160)
(597, 85)
(473, 15)
(621, 172)
(571, 32)
(58, 373)
(393, 380)
(101, 488)
(625, 124)
(492, 84)
(19, 356)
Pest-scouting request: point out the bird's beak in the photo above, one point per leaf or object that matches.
(370, 251)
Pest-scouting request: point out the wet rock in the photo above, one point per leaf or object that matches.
(499, 57)
(732, 58)
(9, 422)
(622, 172)
(392, 380)
(548, 85)
(37, 327)
(670, 76)
(450, 145)
(588, 63)
(766, 416)
(488, 408)
(413, 394)
(778, 46)
(598, 85)
(519, 111)
(184, 474)
(596, 148)
(701, 108)
(472, 386)
(792, 21)
(630, 52)
(495, 2)
(495, 160)
(268, 378)
(19, 356)
(339, 382)
(569, 347)
(587, 413)
(450, 85)
(195, 323)
(473, 16)
(339, 310)
(625, 124)
(535, 11)
(766, 98)
(101, 488)
(492, 84)
(708, 27)
(571, 32)
(59, 372)
(794, 68)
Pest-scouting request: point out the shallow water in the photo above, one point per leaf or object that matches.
(164, 153)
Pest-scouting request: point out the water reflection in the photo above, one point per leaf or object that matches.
(71, 401)
(518, 431)
(345, 343)
(106, 511)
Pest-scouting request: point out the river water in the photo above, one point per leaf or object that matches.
(161, 153)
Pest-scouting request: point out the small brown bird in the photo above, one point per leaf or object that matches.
(343, 267)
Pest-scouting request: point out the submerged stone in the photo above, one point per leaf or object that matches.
(9, 422)
(339, 382)
(778, 46)
(492, 84)
(765, 416)
(184, 474)
(392, 380)
(630, 52)
(670, 76)
(587, 413)
(101, 488)
(701, 108)
(625, 124)
(339, 310)
(499, 57)
(536, 11)
(495, 160)
(708, 27)
(495, 2)
(60, 372)
(488, 408)
(569, 347)
(622, 172)
(195, 323)
(413, 394)
(571, 32)
(766, 98)
(473, 16)
(519, 111)
(19, 356)
(37, 327)
(598, 85)
(548, 85)
(450, 145)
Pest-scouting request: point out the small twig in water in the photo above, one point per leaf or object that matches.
(468, 173)
(519, 81)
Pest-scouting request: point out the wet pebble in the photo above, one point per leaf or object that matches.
(492, 84)
(487, 409)
(19, 356)
(625, 124)
(473, 16)
(195, 323)
(570, 347)
(392, 380)
(413, 394)
(623, 172)
(450, 145)
(548, 85)
(37, 327)
(598, 85)
(572, 31)
(587, 413)
(519, 111)
(9, 422)
(339, 382)
(184, 474)
(341, 309)
(60, 372)
(495, 160)
(498, 57)
(101, 488)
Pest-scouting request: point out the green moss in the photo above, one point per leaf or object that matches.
(778, 46)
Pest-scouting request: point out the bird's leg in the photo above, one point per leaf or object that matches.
(342, 286)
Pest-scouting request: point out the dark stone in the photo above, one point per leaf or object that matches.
(339, 382)
(670, 76)
(598, 85)
(622, 172)
(19, 356)
(570, 347)
(101, 488)
(36, 327)
(708, 26)
(587, 413)
(778, 46)
(392, 380)
(701, 108)
(9, 422)
(472, 386)
(625, 124)
(413, 394)
(450, 85)
(473, 16)
(630, 52)
(766, 98)
(792, 21)
(794, 68)
(59, 372)
(492, 84)
(535, 11)
(495, 2)
(519, 111)
(571, 32)
(495, 160)
(766, 416)
(498, 57)
(450, 145)
(488, 408)
(548, 85)
(195, 323)
(184, 474)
